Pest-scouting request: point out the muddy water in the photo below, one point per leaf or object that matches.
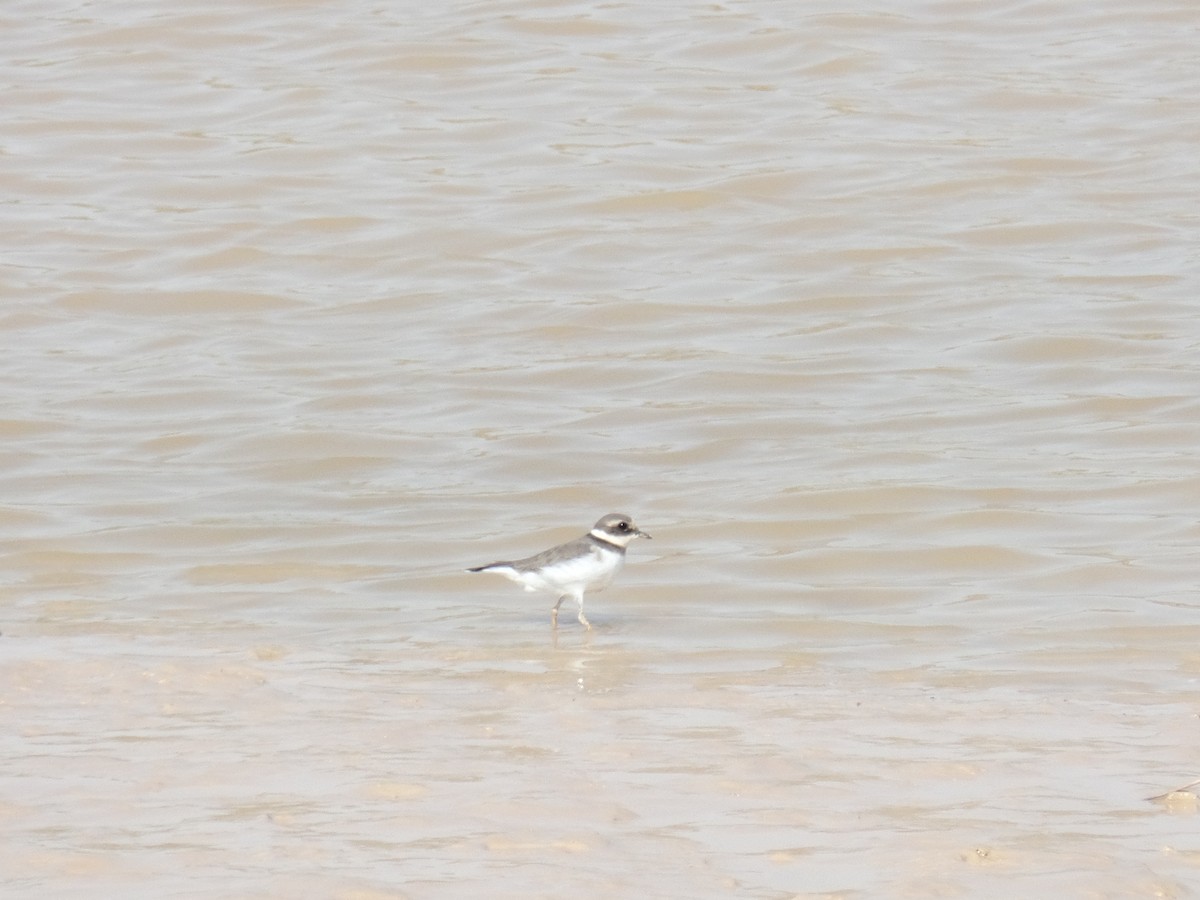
(881, 319)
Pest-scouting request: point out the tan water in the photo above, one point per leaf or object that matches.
(882, 319)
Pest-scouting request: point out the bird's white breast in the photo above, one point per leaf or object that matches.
(593, 571)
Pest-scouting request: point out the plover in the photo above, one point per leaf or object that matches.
(586, 564)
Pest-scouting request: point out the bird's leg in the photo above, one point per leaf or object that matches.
(582, 618)
(554, 612)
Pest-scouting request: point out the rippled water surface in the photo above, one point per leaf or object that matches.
(882, 319)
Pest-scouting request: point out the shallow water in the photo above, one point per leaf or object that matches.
(882, 320)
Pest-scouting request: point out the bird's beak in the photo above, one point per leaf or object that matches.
(641, 533)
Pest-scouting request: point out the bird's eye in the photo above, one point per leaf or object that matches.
(623, 526)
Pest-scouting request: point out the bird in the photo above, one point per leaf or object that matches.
(587, 563)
